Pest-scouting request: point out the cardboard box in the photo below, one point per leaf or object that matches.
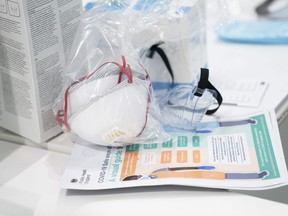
(35, 41)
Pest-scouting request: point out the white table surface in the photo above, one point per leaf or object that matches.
(29, 185)
(253, 62)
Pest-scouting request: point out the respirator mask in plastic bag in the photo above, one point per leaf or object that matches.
(112, 107)
(108, 97)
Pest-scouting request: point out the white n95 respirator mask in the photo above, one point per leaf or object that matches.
(110, 108)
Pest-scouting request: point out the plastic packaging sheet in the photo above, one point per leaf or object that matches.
(182, 110)
(108, 97)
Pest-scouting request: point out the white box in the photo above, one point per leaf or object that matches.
(35, 40)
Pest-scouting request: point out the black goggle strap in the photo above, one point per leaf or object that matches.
(205, 84)
(160, 51)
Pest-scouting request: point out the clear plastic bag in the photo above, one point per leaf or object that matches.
(183, 110)
(177, 27)
(108, 97)
(111, 106)
(173, 51)
(184, 106)
(177, 48)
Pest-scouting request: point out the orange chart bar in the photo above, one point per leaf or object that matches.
(196, 156)
(129, 164)
(182, 156)
(166, 157)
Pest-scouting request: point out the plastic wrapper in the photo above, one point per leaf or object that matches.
(177, 28)
(183, 110)
(176, 50)
(108, 98)
(184, 106)
(111, 106)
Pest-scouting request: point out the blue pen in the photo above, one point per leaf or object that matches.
(170, 129)
(185, 168)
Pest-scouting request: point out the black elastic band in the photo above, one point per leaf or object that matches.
(156, 48)
(262, 9)
(205, 84)
(218, 98)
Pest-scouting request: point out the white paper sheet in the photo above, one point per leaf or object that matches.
(247, 93)
(244, 153)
